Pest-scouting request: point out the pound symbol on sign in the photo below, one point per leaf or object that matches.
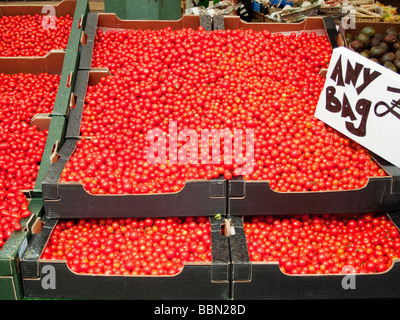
(394, 105)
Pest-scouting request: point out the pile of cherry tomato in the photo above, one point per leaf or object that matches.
(223, 80)
(21, 144)
(13, 208)
(324, 244)
(130, 246)
(33, 35)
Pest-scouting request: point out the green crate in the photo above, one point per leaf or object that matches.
(67, 80)
(78, 24)
(10, 255)
(55, 139)
(56, 124)
(71, 59)
(10, 279)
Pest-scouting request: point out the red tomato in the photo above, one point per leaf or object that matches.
(129, 246)
(155, 82)
(359, 246)
(33, 35)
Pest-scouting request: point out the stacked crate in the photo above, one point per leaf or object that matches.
(71, 201)
(61, 62)
(230, 274)
(266, 280)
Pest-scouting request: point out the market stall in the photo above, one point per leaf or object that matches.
(205, 157)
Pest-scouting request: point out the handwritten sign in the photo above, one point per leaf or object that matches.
(361, 99)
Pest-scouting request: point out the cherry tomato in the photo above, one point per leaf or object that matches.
(131, 246)
(21, 143)
(310, 247)
(33, 35)
(218, 80)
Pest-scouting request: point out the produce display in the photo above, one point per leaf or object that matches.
(324, 244)
(130, 246)
(382, 48)
(33, 35)
(187, 92)
(219, 80)
(21, 144)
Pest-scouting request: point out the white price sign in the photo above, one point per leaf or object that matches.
(361, 99)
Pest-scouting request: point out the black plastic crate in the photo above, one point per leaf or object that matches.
(52, 279)
(71, 200)
(265, 280)
(380, 194)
